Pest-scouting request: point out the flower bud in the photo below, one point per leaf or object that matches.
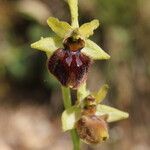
(69, 65)
(92, 129)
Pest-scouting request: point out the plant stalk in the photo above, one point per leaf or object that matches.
(67, 104)
(73, 5)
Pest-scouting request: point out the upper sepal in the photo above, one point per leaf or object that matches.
(92, 50)
(61, 28)
(113, 113)
(48, 45)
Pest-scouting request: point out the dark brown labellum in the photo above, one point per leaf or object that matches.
(92, 129)
(70, 67)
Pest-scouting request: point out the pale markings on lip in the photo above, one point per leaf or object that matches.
(76, 56)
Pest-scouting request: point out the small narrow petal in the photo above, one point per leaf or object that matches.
(48, 45)
(92, 50)
(70, 117)
(87, 29)
(61, 28)
(113, 113)
(101, 94)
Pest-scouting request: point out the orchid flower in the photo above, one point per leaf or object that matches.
(77, 117)
(70, 52)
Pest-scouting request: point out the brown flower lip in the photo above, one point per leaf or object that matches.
(92, 129)
(69, 65)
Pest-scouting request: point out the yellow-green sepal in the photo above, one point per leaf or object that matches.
(87, 29)
(61, 28)
(48, 45)
(112, 113)
(70, 117)
(92, 50)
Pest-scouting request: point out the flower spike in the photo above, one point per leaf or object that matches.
(70, 54)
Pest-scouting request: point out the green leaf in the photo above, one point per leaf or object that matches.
(101, 94)
(92, 50)
(48, 45)
(113, 113)
(61, 28)
(87, 29)
(69, 118)
(73, 5)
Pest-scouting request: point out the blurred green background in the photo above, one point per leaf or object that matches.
(30, 99)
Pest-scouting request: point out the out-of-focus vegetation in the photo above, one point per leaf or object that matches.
(30, 100)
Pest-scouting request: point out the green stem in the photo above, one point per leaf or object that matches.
(75, 139)
(67, 104)
(82, 92)
(73, 5)
(66, 97)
